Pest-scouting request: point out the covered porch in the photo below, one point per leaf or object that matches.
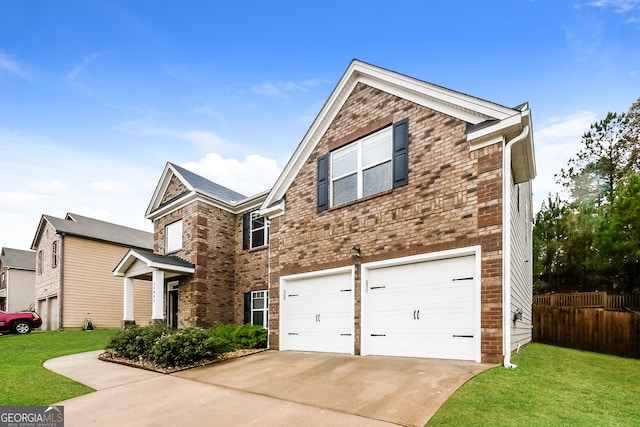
(160, 270)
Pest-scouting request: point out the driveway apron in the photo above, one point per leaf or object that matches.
(269, 388)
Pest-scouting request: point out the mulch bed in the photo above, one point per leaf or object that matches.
(108, 356)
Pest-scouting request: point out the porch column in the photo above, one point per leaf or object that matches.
(128, 300)
(157, 307)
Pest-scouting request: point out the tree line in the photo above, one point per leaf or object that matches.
(591, 240)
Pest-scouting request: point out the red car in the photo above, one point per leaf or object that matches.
(19, 323)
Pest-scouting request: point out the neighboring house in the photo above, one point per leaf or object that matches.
(74, 280)
(400, 226)
(17, 279)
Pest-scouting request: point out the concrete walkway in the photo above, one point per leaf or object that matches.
(270, 388)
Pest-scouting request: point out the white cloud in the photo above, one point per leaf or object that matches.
(555, 142)
(205, 140)
(11, 66)
(48, 187)
(108, 186)
(250, 176)
(281, 89)
(620, 6)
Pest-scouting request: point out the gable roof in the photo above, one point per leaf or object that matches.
(171, 264)
(491, 118)
(197, 187)
(18, 259)
(94, 229)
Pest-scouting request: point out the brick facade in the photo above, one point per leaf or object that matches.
(453, 200)
(212, 241)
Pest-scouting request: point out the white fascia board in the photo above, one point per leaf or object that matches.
(499, 128)
(273, 211)
(311, 138)
(478, 106)
(163, 183)
(168, 267)
(205, 198)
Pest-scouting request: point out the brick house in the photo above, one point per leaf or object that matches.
(401, 225)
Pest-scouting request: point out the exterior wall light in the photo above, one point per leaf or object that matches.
(355, 251)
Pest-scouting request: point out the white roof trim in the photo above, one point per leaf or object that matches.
(470, 109)
(133, 255)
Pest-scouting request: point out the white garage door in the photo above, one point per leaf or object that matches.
(422, 309)
(316, 311)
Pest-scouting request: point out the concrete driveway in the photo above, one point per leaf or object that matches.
(269, 388)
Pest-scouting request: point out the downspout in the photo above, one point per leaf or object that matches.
(269, 289)
(60, 291)
(506, 247)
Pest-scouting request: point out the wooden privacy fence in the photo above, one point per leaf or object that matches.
(589, 299)
(592, 321)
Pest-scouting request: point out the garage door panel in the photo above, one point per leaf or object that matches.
(317, 313)
(421, 309)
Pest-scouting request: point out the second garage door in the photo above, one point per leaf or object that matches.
(421, 309)
(316, 311)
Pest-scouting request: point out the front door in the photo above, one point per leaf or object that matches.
(172, 305)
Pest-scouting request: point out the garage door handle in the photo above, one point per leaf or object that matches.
(345, 290)
(345, 335)
(463, 278)
(378, 335)
(463, 336)
(377, 287)
(317, 317)
(293, 333)
(416, 314)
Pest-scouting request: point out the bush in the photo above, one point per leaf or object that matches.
(187, 346)
(245, 336)
(134, 342)
(166, 347)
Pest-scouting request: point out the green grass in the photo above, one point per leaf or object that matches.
(552, 386)
(23, 379)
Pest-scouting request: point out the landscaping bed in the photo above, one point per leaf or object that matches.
(162, 349)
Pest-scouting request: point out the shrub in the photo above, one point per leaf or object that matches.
(245, 336)
(187, 346)
(135, 341)
(165, 346)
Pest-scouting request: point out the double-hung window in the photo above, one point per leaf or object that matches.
(256, 308)
(255, 230)
(362, 168)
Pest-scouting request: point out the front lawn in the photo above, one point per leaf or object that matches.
(23, 379)
(552, 386)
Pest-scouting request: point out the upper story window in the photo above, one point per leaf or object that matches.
(361, 168)
(369, 165)
(255, 230)
(173, 237)
(40, 261)
(54, 254)
(3, 280)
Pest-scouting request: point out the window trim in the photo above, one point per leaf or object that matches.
(167, 229)
(248, 230)
(54, 254)
(40, 262)
(264, 310)
(360, 168)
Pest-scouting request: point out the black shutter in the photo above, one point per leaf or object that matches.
(400, 153)
(247, 307)
(246, 230)
(323, 183)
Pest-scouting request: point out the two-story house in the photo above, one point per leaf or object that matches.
(75, 256)
(17, 279)
(401, 225)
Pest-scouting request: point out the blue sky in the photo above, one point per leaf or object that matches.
(96, 96)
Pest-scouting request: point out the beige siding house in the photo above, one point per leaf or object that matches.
(17, 279)
(74, 279)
